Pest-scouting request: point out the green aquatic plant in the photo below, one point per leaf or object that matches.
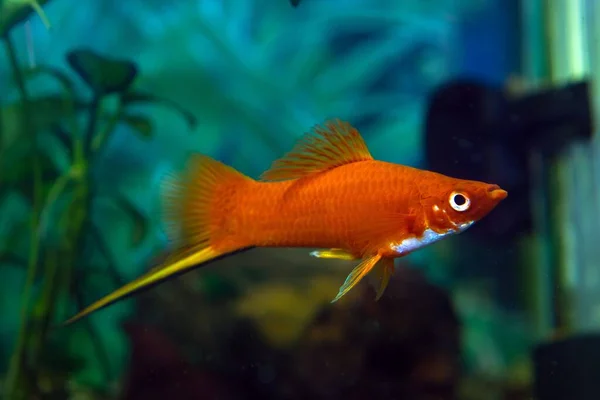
(48, 150)
(12, 12)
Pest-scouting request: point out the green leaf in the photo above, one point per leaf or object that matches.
(138, 97)
(63, 137)
(13, 12)
(51, 110)
(55, 358)
(8, 251)
(139, 123)
(47, 112)
(7, 257)
(65, 81)
(140, 222)
(18, 174)
(70, 101)
(9, 244)
(102, 74)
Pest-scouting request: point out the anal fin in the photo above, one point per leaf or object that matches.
(385, 270)
(356, 275)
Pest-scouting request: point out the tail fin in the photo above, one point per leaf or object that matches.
(191, 205)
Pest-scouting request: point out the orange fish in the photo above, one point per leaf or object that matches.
(327, 193)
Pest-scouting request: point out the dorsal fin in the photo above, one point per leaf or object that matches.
(325, 147)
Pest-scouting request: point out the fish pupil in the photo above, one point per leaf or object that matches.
(459, 199)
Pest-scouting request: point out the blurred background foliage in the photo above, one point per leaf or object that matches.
(99, 105)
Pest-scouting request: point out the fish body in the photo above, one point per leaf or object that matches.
(362, 206)
(327, 193)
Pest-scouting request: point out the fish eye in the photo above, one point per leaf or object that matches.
(459, 201)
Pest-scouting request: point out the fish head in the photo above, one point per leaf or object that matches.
(456, 204)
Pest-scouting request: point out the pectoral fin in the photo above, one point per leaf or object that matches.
(338, 254)
(356, 275)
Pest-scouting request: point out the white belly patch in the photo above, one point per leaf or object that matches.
(411, 244)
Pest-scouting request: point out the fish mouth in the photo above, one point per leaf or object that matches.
(496, 193)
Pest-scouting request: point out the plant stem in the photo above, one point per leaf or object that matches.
(15, 366)
(110, 260)
(101, 353)
(56, 190)
(40, 11)
(102, 138)
(45, 305)
(91, 125)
